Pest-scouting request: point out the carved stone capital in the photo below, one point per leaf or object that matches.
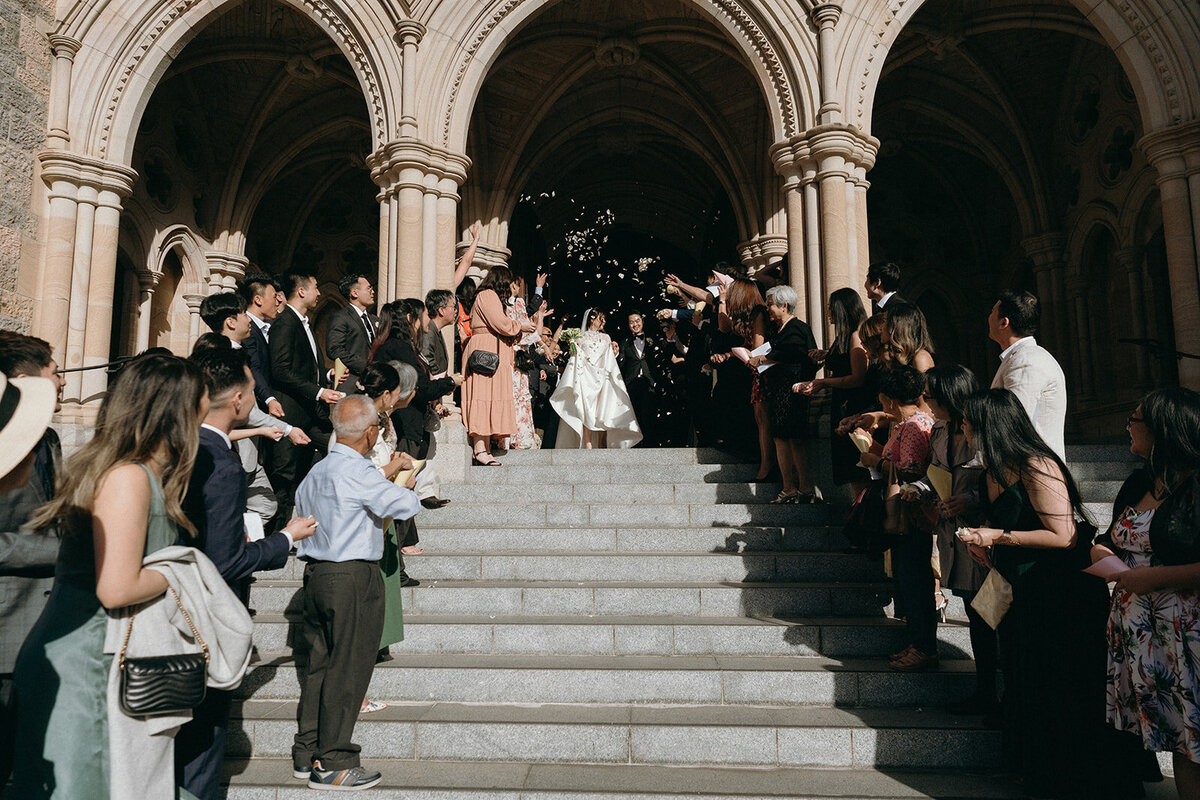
(1130, 258)
(221, 264)
(409, 31)
(193, 302)
(824, 151)
(826, 14)
(148, 280)
(1045, 249)
(1174, 151)
(486, 255)
(417, 160)
(105, 177)
(762, 250)
(64, 46)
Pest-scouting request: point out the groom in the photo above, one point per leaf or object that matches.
(637, 361)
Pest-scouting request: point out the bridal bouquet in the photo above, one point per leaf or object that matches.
(569, 336)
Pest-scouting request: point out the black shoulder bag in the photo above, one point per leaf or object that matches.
(160, 685)
(484, 362)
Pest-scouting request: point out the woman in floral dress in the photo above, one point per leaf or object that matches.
(1154, 623)
(526, 437)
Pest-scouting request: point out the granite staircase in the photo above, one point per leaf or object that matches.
(639, 624)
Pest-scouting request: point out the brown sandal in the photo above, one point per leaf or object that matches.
(915, 661)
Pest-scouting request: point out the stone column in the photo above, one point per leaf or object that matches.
(79, 262)
(63, 48)
(861, 229)
(1045, 250)
(825, 16)
(409, 34)
(193, 306)
(1175, 153)
(1079, 300)
(1130, 258)
(418, 183)
(147, 283)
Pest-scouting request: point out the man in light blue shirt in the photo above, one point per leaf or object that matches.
(343, 595)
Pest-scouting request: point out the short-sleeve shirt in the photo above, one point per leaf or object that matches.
(908, 446)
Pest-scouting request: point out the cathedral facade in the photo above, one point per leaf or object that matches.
(155, 149)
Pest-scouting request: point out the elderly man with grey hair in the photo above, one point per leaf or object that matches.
(787, 411)
(343, 595)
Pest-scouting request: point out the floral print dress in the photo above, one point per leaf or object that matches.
(526, 437)
(1153, 653)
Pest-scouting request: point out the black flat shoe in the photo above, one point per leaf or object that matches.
(406, 581)
(435, 502)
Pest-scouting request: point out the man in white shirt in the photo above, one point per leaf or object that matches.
(882, 283)
(1027, 369)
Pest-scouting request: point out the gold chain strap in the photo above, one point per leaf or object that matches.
(186, 616)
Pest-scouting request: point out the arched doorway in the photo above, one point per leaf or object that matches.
(251, 153)
(1006, 139)
(612, 144)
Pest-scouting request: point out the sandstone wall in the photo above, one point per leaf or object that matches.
(24, 91)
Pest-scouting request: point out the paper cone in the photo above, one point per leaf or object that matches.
(699, 308)
(403, 475)
(339, 369)
(942, 480)
(861, 441)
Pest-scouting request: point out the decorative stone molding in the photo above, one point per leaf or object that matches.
(169, 14)
(406, 154)
(409, 31)
(79, 171)
(1045, 249)
(1174, 151)
(731, 10)
(1156, 52)
(193, 302)
(762, 250)
(617, 51)
(876, 51)
(64, 46)
(824, 150)
(148, 281)
(486, 256)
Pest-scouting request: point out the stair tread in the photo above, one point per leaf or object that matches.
(566, 619)
(627, 714)
(789, 663)
(491, 583)
(406, 778)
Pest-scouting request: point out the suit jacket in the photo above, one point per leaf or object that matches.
(895, 299)
(26, 557)
(1031, 373)
(215, 502)
(433, 350)
(346, 338)
(297, 374)
(258, 351)
(634, 367)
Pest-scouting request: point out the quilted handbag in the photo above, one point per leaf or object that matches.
(484, 362)
(159, 685)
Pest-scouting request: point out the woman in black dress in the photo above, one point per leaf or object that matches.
(1052, 639)
(787, 411)
(846, 371)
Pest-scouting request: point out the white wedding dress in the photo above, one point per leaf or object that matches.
(592, 394)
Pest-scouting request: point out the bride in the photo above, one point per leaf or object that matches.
(591, 396)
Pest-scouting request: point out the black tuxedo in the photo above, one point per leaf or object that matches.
(894, 300)
(215, 502)
(641, 375)
(298, 375)
(258, 351)
(346, 338)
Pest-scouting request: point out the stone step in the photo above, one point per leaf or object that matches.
(584, 598)
(623, 734)
(517, 472)
(1100, 452)
(740, 539)
(632, 566)
(836, 637)
(621, 457)
(270, 779)
(587, 493)
(637, 680)
(540, 514)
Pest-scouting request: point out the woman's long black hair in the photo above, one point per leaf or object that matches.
(846, 312)
(951, 386)
(393, 322)
(1173, 417)
(1004, 436)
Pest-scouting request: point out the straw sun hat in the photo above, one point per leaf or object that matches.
(26, 405)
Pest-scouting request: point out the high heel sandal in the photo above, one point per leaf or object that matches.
(941, 606)
(783, 498)
(479, 462)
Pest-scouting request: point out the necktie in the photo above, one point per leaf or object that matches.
(370, 328)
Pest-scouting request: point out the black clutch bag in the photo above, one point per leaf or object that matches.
(158, 685)
(483, 362)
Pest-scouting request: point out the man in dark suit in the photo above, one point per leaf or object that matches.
(443, 311)
(258, 291)
(352, 328)
(302, 384)
(882, 285)
(26, 556)
(216, 503)
(637, 362)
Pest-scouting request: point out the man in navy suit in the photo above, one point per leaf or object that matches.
(216, 503)
(258, 291)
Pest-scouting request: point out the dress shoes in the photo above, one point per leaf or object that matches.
(434, 502)
(406, 581)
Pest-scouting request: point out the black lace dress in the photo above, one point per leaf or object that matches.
(843, 403)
